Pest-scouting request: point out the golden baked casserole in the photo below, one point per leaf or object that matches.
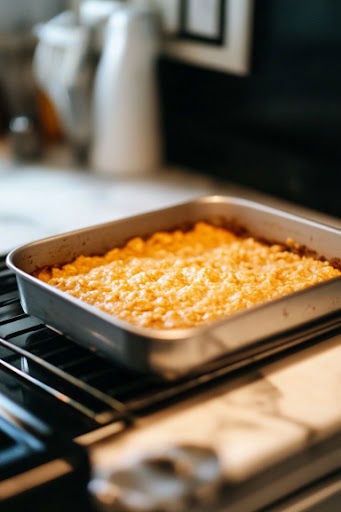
(182, 279)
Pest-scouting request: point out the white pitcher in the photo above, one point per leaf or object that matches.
(126, 137)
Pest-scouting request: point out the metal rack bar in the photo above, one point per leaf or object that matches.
(7, 277)
(75, 362)
(8, 302)
(54, 352)
(33, 328)
(14, 319)
(6, 273)
(62, 397)
(50, 337)
(70, 379)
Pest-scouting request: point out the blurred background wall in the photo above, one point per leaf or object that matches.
(278, 129)
(17, 15)
(17, 43)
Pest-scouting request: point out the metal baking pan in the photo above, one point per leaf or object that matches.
(173, 353)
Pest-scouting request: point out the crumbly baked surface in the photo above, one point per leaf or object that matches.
(182, 279)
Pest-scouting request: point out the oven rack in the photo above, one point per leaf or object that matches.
(99, 390)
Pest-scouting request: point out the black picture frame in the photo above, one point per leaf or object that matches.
(221, 38)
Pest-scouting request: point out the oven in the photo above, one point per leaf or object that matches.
(248, 95)
(70, 408)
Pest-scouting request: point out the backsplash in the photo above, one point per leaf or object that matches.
(279, 128)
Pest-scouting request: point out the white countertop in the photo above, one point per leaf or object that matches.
(251, 423)
(52, 196)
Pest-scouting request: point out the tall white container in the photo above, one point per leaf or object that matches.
(126, 136)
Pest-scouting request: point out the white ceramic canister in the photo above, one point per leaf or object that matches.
(126, 117)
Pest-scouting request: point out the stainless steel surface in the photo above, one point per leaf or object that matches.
(112, 405)
(174, 353)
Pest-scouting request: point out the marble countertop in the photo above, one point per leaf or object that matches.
(275, 412)
(54, 196)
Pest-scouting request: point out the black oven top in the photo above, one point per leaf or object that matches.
(59, 390)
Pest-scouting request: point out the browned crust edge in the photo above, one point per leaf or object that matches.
(238, 230)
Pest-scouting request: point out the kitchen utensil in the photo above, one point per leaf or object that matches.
(63, 69)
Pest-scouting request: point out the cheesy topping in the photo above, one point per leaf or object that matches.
(183, 279)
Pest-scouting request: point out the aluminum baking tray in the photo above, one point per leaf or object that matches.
(173, 353)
